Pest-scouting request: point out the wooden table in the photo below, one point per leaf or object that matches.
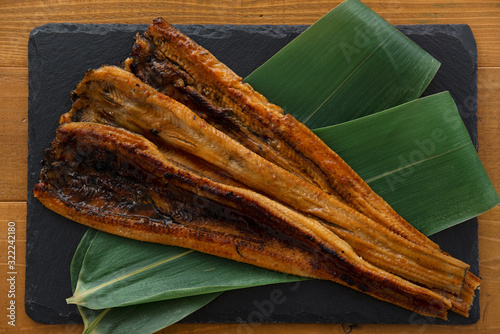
(19, 17)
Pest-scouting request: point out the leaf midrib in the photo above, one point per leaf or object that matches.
(374, 178)
(95, 322)
(77, 297)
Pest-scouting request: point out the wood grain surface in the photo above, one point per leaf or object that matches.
(19, 17)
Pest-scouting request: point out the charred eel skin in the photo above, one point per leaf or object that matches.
(114, 96)
(175, 65)
(119, 182)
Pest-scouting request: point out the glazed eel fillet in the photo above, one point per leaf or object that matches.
(119, 182)
(113, 96)
(173, 64)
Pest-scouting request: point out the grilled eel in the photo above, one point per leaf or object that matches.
(176, 66)
(113, 96)
(119, 182)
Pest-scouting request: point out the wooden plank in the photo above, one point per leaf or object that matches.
(18, 18)
(14, 82)
(13, 133)
(14, 148)
(489, 128)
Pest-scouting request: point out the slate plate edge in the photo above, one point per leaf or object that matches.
(71, 27)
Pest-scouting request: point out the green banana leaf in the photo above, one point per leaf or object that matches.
(131, 272)
(348, 64)
(146, 318)
(419, 157)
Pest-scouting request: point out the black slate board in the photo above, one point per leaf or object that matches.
(59, 55)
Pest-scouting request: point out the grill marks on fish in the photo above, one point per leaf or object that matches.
(149, 199)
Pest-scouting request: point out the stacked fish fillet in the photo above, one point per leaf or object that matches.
(174, 148)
